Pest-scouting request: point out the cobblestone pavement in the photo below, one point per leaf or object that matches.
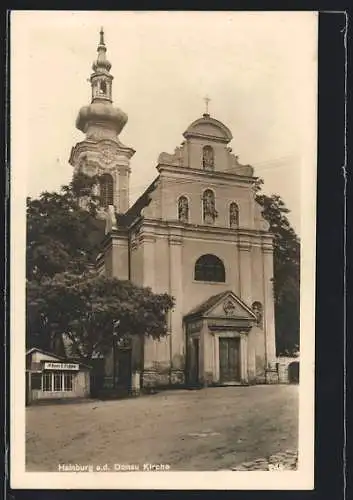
(280, 461)
(211, 429)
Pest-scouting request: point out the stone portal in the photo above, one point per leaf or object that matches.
(217, 340)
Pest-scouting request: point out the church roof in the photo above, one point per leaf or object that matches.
(141, 202)
(208, 304)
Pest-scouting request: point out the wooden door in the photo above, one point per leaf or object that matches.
(124, 368)
(229, 368)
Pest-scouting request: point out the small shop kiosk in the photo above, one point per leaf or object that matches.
(50, 377)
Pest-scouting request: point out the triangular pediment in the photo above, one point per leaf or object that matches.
(224, 305)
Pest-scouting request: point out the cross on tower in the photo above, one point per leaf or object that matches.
(207, 100)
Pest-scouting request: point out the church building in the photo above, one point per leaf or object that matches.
(196, 233)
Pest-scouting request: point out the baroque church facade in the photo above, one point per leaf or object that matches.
(196, 233)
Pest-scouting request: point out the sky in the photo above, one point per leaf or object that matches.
(259, 70)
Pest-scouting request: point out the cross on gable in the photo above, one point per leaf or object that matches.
(207, 101)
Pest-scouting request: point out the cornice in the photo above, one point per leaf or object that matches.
(146, 238)
(97, 145)
(208, 137)
(192, 173)
(175, 239)
(240, 326)
(186, 229)
(151, 229)
(244, 246)
(267, 247)
(115, 234)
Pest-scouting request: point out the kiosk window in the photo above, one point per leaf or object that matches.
(47, 381)
(57, 381)
(67, 382)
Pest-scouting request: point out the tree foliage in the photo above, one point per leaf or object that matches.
(61, 236)
(286, 283)
(86, 307)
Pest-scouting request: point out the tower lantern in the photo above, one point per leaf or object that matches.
(101, 79)
(101, 153)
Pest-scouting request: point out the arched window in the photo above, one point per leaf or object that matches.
(210, 268)
(183, 209)
(233, 215)
(209, 207)
(208, 158)
(106, 185)
(257, 309)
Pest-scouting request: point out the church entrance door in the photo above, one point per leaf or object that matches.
(229, 365)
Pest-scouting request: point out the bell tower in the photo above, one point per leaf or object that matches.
(101, 154)
(101, 79)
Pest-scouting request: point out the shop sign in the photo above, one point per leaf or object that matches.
(61, 366)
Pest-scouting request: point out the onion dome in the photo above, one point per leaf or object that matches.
(100, 112)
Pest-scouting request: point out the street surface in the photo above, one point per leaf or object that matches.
(209, 429)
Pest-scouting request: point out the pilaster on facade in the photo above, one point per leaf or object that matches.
(176, 291)
(123, 201)
(244, 357)
(147, 241)
(120, 260)
(202, 352)
(116, 255)
(245, 271)
(215, 339)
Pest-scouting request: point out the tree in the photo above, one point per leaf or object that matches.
(85, 307)
(286, 283)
